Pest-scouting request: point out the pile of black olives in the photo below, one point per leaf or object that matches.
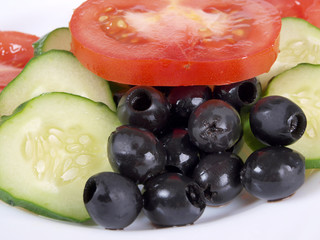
(176, 153)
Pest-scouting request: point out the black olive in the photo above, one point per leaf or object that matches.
(273, 173)
(144, 107)
(136, 153)
(218, 174)
(240, 94)
(112, 201)
(214, 126)
(276, 120)
(171, 199)
(184, 100)
(182, 155)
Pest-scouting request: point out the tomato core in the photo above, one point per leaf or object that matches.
(210, 25)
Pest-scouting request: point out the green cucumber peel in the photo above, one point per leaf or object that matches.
(59, 39)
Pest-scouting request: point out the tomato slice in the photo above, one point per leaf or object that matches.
(176, 42)
(7, 73)
(15, 51)
(290, 8)
(306, 9)
(16, 48)
(312, 13)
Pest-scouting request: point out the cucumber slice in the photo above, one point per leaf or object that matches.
(59, 38)
(49, 147)
(299, 43)
(54, 71)
(301, 85)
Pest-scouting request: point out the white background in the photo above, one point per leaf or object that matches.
(245, 218)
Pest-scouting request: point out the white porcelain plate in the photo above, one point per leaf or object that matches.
(245, 218)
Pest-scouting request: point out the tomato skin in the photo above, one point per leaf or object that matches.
(167, 72)
(174, 68)
(16, 48)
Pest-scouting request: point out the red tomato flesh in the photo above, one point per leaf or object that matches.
(177, 42)
(288, 8)
(312, 13)
(16, 48)
(306, 9)
(7, 73)
(15, 51)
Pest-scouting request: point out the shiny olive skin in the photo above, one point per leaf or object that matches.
(240, 94)
(182, 155)
(237, 147)
(276, 120)
(218, 174)
(184, 99)
(171, 199)
(112, 201)
(214, 126)
(273, 173)
(144, 107)
(136, 153)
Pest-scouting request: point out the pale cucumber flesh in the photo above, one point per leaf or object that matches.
(59, 38)
(49, 147)
(299, 43)
(54, 71)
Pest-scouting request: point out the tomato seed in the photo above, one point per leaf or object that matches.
(238, 32)
(122, 24)
(109, 9)
(103, 18)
